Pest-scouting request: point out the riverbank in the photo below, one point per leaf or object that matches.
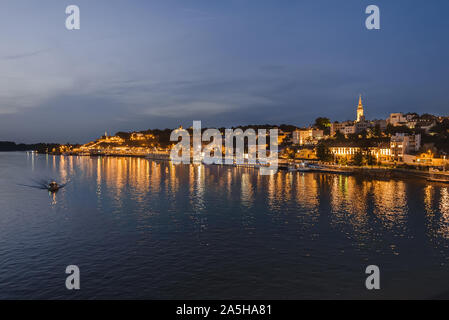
(392, 172)
(382, 172)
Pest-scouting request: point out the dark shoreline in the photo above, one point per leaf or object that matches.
(7, 146)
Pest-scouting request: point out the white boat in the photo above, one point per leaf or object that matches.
(302, 167)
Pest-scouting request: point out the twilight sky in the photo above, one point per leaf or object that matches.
(139, 64)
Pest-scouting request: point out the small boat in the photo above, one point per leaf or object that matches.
(336, 170)
(438, 180)
(53, 186)
(302, 167)
(434, 178)
(49, 185)
(343, 172)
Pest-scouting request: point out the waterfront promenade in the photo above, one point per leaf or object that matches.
(284, 164)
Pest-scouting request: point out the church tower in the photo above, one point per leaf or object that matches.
(360, 116)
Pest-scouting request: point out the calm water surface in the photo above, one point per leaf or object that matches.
(152, 230)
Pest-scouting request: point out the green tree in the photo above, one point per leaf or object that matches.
(391, 130)
(377, 132)
(370, 159)
(323, 124)
(339, 136)
(358, 159)
(289, 153)
(342, 161)
(323, 153)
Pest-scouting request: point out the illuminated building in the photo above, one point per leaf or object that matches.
(381, 152)
(306, 154)
(360, 116)
(351, 127)
(402, 143)
(309, 136)
(397, 119)
(139, 136)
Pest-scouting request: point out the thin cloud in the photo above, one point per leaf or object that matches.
(23, 55)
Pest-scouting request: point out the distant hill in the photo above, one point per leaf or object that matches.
(12, 146)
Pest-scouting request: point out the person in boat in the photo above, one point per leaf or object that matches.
(53, 186)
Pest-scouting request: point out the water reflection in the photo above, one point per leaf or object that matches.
(358, 203)
(443, 229)
(390, 202)
(247, 192)
(307, 191)
(192, 222)
(436, 204)
(429, 199)
(52, 195)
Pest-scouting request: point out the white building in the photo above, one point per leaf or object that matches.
(349, 129)
(402, 143)
(308, 136)
(397, 119)
(381, 123)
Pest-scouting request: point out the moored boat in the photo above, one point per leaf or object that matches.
(336, 170)
(438, 180)
(301, 167)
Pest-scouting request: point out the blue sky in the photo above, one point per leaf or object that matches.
(136, 64)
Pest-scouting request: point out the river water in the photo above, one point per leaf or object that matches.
(152, 230)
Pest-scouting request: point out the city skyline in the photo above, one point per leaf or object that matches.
(161, 65)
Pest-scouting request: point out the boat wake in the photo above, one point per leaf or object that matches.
(46, 184)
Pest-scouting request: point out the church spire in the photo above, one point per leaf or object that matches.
(360, 115)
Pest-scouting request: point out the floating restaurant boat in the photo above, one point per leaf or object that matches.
(337, 170)
(443, 177)
(438, 180)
